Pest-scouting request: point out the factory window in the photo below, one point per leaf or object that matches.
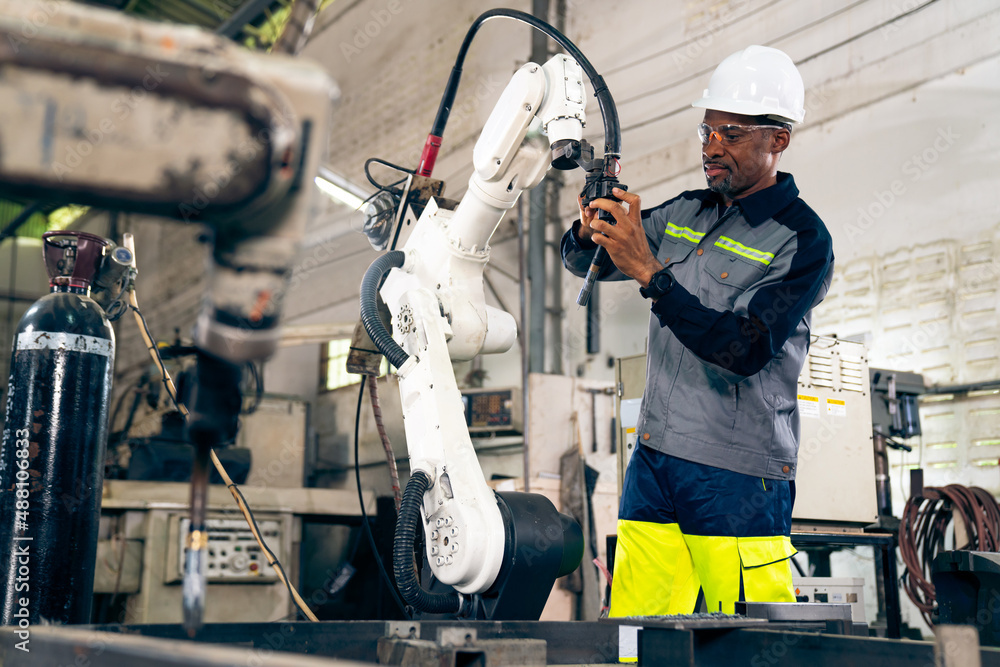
(334, 365)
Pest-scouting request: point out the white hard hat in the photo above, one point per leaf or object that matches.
(757, 81)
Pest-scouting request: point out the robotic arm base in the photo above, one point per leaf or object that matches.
(542, 545)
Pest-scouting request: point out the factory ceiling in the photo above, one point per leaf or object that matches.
(250, 22)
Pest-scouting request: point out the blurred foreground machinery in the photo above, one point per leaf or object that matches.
(123, 114)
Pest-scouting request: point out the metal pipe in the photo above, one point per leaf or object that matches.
(536, 221)
(556, 312)
(558, 180)
(12, 282)
(298, 27)
(245, 13)
(523, 271)
(883, 492)
(594, 321)
(964, 388)
(194, 587)
(536, 274)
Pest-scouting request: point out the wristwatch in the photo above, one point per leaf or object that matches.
(661, 283)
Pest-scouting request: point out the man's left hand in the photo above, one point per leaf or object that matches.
(626, 241)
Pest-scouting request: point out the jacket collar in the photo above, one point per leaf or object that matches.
(762, 205)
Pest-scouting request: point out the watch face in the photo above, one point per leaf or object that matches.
(658, 285)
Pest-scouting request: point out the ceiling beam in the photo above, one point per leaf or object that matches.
(22, 217)
(242, 16)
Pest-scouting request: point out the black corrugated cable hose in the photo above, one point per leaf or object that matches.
(407, 524)
(370, 284)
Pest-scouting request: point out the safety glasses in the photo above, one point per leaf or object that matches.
(729, 135)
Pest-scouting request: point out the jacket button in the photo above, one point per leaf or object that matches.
(645, 436)
(666, 261)
(725, 274)
(701, 251)
(785, 469)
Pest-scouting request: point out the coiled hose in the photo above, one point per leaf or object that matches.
(403, 566)
(396, 355)
(922, 533)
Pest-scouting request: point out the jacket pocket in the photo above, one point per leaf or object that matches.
(708, 408)
(730, 276)
(755, 421)
(671, 252)
(761, 551)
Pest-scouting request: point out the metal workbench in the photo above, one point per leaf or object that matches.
(344, 644)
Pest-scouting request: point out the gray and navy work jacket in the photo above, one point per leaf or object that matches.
(727, 342)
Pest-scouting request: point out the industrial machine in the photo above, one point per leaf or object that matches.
(835, 590)
(500, 553)
(895, 414)
(497, 411)
(140, 564)
(124, 114)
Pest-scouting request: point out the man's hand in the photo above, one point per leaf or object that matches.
(587, 214)
(626, 241)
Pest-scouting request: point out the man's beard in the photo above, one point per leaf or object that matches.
(723, 187)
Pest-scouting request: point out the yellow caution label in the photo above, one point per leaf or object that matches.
(809, 406)
(630, 430)
(836, 407)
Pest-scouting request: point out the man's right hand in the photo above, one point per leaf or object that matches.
(587, 215)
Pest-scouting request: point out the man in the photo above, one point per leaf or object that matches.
(732, 273)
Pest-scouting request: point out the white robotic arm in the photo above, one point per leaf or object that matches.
(440, 315)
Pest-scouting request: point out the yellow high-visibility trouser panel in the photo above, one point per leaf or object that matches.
(659, 570)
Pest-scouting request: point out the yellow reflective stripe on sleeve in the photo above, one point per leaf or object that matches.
(683, 233)
(735, 246)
